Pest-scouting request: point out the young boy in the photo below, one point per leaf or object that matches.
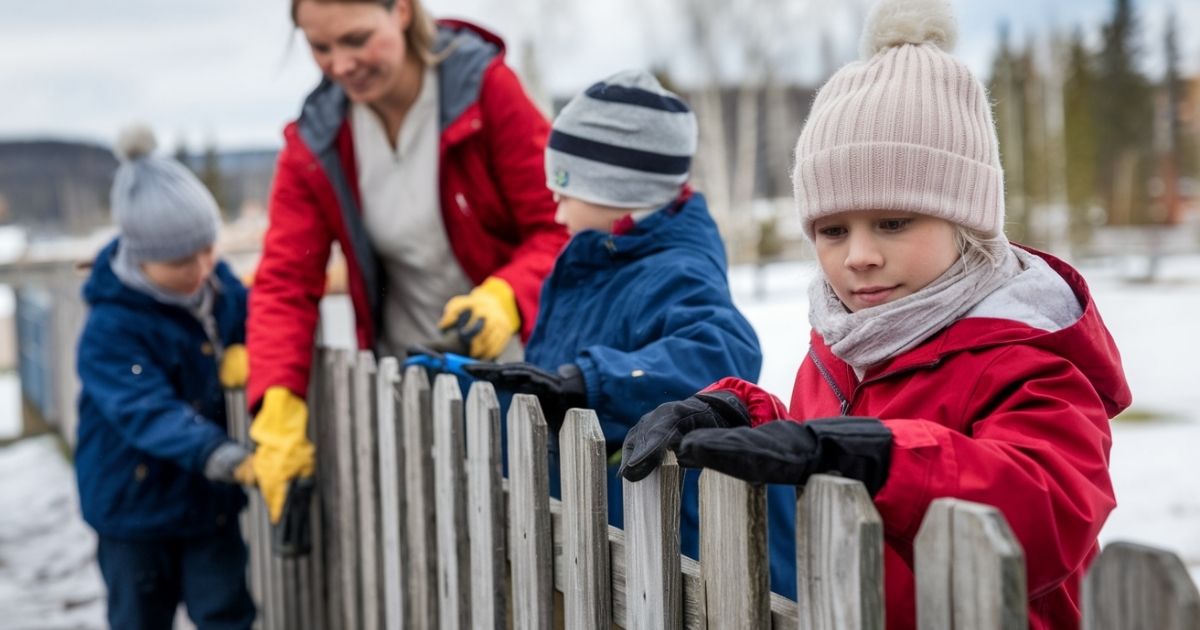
(637, 310)
(157, 472)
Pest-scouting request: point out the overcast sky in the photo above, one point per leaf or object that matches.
(234, 72)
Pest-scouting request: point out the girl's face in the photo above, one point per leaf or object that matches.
(873, 257)
(184, 276)
(360, 46)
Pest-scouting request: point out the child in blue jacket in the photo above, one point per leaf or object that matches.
(637, 309)
(157, 471)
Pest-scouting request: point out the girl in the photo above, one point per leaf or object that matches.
(944, 361)
(421, 155)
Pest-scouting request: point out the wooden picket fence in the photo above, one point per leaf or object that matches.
(414, 527)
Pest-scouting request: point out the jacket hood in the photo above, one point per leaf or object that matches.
(689, 228)
(103, 285)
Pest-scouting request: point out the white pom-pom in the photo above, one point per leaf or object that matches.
(897, 22)
(135, 141)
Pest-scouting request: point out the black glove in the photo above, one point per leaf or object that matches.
(663, 428)
(556, 392)
(788, 452)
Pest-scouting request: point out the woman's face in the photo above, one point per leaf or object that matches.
(184, 276)
(358, 45)
(873, 257)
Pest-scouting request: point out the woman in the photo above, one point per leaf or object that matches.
(421, 155)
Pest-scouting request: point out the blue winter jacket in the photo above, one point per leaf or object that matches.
(648, 318)
(151, 410)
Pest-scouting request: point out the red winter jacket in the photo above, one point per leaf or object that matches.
(992, 411)
(498, 213)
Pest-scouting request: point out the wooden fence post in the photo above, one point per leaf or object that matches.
(367, 486)
(489, 586)
(391, 494)
(421, 546)
(454, 572)
(1135, 587)
(839, 556)
(970, 569)
(733, 552)
(342, 510)
(529, 515)
(585, 521)
(653, 588)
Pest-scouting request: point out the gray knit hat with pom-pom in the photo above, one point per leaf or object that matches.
(162, 210)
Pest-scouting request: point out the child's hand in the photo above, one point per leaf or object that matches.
(235, 366)
(664, 427)
(244, 472)
(787, 452)
(556, 392)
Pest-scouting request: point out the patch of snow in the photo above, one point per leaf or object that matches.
(10, 406)
(8, 301)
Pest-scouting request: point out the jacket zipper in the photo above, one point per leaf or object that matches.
(837, 391)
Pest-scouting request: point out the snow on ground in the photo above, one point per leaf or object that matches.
(10, 406)
(48, 577)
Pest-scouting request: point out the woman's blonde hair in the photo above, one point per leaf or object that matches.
(422, 30)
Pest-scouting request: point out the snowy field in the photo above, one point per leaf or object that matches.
(48, 578)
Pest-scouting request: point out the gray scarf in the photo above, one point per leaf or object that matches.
(199, 304)
(876, 334)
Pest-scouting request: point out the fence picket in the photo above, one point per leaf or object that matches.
(365, 460)
(391, 496)
(420, 560)
(343, 514)
(970, 569)
(585, 519)
(1135, 587)
(529, 515)
(454, 583)
(653, 589)
(489, 586)
(733, 552)
(839, 555)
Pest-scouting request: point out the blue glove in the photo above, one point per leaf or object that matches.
(447, 362)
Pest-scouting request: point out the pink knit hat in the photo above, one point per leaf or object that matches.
(908, 128)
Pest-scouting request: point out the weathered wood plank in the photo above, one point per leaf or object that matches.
(344, 521)
(529, 515)
(489, 569)
(1135, 587)
(839, 555)
(391, 496)
(319, 412)
(733, 552)
(585, 518)
(970, 569)
(420, 549)
(454, 572)
(367, 482)
(653, 589)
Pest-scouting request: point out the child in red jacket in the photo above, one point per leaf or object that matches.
(944, 361)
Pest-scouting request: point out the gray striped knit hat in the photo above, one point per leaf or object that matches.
(624, 142)
(162, 210)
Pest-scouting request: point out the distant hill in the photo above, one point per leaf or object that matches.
(57, 187)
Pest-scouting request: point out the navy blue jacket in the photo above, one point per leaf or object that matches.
(648, 318)
(151, 410)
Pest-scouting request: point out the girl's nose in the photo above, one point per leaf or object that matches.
(862, 252)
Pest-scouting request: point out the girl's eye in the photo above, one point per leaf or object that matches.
(833, 231)
(894, 225)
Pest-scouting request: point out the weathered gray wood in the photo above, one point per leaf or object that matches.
(454, 573)
(585, 518)
(529, 515)
(839, 555)
(1135, 587)
(344, 507)
(653, 589)
(366, 481)
(238, 423)
(391, 498)
(420, 573)
(970, 569)
(319, 412)
(486, 513)
(733, 552)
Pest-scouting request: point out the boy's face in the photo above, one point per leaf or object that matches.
(873, 257)
(580, 215)
(184, 276)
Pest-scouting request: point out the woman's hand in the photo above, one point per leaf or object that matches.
(485, 319)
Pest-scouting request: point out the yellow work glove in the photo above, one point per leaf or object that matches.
(235, 366)
(487, 315)
(284, 452)
(244, 473)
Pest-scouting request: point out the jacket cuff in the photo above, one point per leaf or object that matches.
(763, 406)
(921, 469)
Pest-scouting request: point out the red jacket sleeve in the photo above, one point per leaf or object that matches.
(762, 405)
(516, 146)
(1038, 453)
(290, 281)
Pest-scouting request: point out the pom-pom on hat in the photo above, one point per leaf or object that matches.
(906, 128)
(162, 210)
